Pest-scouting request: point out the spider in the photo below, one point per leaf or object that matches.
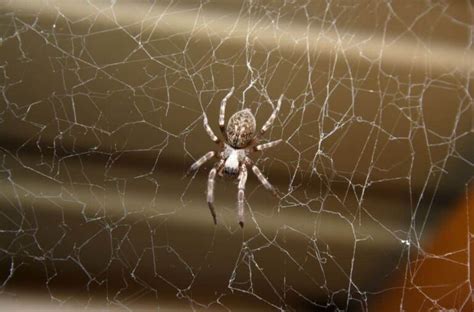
(240, 140)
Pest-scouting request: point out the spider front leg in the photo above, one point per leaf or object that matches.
(222, 112)
(241, 194)
(270, 120)
(209, 131)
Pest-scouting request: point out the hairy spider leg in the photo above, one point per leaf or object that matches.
(263, 180)
(222, 113)
(210, 189)
(270, 120)
(261, 147)
(209, 131)
(241, 194)
(198, 163)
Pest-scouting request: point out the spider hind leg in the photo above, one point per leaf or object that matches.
(241, 194)
(210, 193)
(211, 181)
(264, 181)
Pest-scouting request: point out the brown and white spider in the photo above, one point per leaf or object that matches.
(239, 141)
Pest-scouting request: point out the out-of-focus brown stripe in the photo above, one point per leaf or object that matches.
(442, 277)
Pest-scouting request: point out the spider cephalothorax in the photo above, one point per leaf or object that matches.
(240, 140)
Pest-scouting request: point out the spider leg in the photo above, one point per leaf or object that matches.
(264, 180)
(261, 147)
(222, 112)
(198, 163)
(210, 193)
(241, 194)
(209, 131)
(210, 189)
(270, 120)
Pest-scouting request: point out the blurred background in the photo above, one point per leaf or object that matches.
(101, 115)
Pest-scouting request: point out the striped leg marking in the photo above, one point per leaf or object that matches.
(241, 194)
(261, 147)
(198, 163)
(263, 180)
(270, 120)
(210, 193)
(222, 112)
(209, 131)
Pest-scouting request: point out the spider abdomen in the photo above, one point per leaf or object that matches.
(240, 128)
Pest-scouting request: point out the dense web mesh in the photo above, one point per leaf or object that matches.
(101, 114)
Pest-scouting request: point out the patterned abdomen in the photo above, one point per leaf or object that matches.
(240, 129)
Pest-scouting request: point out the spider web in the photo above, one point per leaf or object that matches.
(101, 116)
